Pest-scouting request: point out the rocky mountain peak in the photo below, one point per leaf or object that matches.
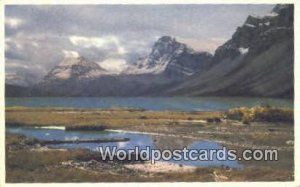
(258, 33)
(74, 67)
(165, 51)
(169, 56)
(279, 8)
(166, 39)
(71, 61)
(166, 45)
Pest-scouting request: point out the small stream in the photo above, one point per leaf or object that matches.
(140, 140)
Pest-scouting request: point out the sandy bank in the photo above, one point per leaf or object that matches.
(160, 167)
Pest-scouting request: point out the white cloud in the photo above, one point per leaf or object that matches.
(120, 48)
(13, 22)
(8, 42)
(19, 46)
(115, 33)
(17, 42)
(34, 44)
(114, 65)
(71, 54)
(98, 42)
(12, 65)
(87, 42)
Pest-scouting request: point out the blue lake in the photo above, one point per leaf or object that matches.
(142, 141)
(149, 103)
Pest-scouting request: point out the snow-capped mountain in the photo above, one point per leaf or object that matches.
(171, 57)
(75, 68)
(169, 63)
(168, 57)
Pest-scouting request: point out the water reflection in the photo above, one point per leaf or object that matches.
(136, 140)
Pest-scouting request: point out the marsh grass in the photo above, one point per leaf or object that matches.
(24, 165)
(261, 114)
(110, 118)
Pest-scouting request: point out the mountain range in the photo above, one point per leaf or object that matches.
(257, 61)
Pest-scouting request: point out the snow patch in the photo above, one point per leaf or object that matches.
(250, 25)
(62, 74)
(114, 65)
(243, 50)
(272, 14)
(70, 54)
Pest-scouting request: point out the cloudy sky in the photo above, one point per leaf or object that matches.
(38, 37)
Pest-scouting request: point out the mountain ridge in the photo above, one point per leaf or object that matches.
(254, 62)
(267, 62)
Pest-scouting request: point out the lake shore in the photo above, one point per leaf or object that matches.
(160, 125)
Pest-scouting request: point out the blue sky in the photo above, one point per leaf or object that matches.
(38, 37)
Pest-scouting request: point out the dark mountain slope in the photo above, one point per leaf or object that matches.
(16, 91)
(257, 61)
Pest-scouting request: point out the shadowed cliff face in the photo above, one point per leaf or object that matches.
(257, 61)
(257, 34)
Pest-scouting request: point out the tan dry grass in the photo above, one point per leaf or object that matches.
(92, 117)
